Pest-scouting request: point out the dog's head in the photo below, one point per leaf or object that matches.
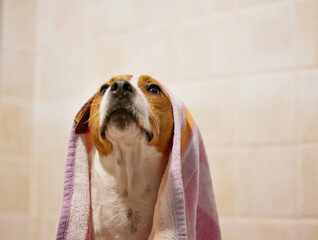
(125, 109)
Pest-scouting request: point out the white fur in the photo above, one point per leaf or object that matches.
(140, 103)
(126, 182)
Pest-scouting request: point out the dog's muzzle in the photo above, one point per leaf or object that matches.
(122, 111)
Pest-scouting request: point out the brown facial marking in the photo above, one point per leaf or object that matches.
(103, 146)
(82, 117)
(161, 115)
(133, 220)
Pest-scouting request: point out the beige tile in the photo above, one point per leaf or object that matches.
(267, 182)
(166, 12)
(158, 54)
(214, 108)
(248, 3)
(115, 55)
(64, 70)
(34, 189)
(110, 56)
(307, 32)
(105, 16)
(266, 40)
(13, 226)
(18, 21)
(308, 230)
(153, 51)
(15, 157)
(308, 105)
(108, 18)
(55, 123)
(224, 165)
(15, 134)
(43, 227)
(309, 194)
(256, 182)
(258, 229)
(210, 7)
(249, 40)
(50, 186)
(47, 179)
(60, 21)
(53, 158)
(205, 7)
(14, 186)
(17, 72)
(267, 109)
(63, 49)
(205, 48)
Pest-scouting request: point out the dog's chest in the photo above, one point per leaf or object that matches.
(124, 192)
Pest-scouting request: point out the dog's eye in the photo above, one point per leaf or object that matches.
(154, 89)
(103, 89)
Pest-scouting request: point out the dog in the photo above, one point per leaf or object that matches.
(131, 123)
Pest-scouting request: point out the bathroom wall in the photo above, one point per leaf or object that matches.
(247, 69)
(17, 54)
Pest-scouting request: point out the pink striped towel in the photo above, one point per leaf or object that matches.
(185, 207)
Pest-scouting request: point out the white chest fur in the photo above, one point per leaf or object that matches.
(124, 190)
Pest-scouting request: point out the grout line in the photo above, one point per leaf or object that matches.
(299, 145)
(1, 18)
(263, 145)
(1, 39)
(236, 8)
(17, 46)
(268, 219)
(33, 199)
(26, 157)
(232, 78)
(129, 31)
(6, 213)
(263, 73)
(16, 100)
(76, 99)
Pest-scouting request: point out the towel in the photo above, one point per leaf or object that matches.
(185, 207)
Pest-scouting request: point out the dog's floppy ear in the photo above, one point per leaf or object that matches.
(82, 117)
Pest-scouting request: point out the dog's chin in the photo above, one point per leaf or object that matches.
(121, 119)
(123, 123)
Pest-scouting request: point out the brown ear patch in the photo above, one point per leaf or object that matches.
(82, 117)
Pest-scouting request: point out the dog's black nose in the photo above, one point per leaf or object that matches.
(122, 89)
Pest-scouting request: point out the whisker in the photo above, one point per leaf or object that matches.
(156, 123)
(92, 117)
(153, 71)
(96, 119)
(95, 104)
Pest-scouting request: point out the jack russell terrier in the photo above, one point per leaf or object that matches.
(131, 124)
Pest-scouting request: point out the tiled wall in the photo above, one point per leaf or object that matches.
(17, 53)
(247, 69)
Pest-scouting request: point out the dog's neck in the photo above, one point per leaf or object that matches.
(125, 185)
(135, 167)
